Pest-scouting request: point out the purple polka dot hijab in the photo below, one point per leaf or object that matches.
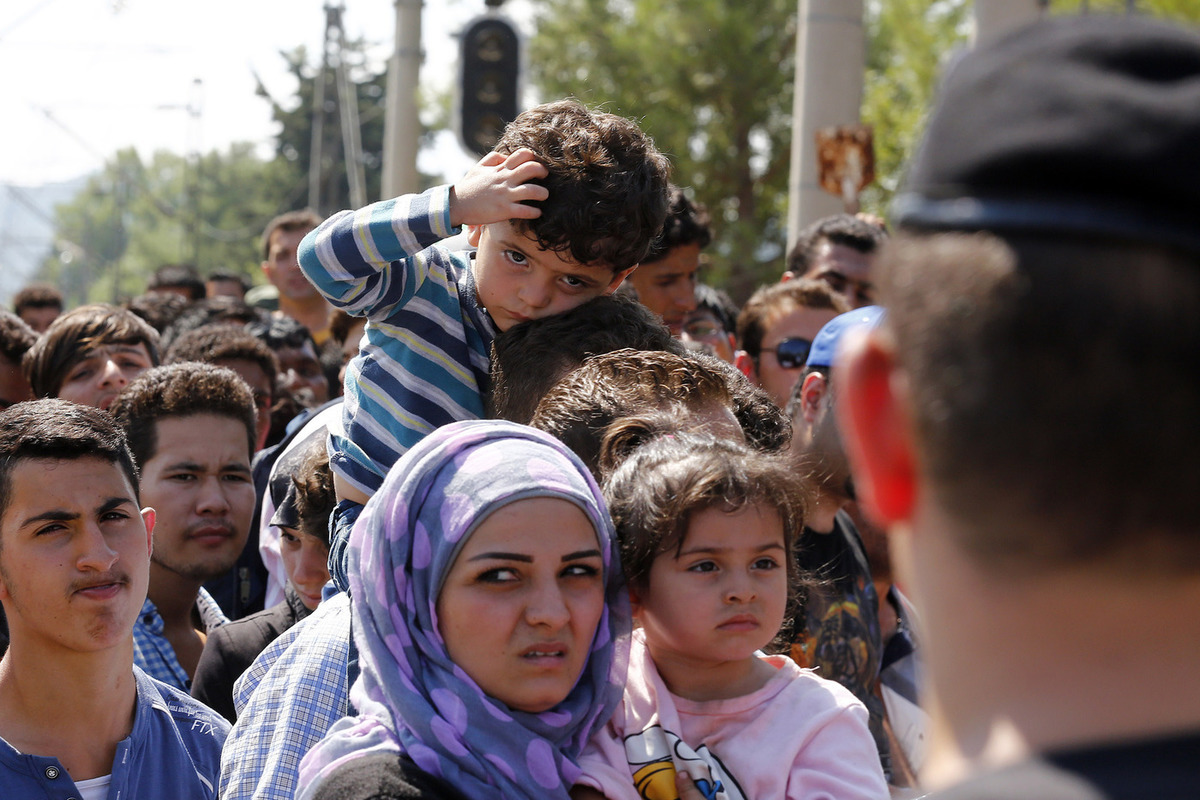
(411, 697)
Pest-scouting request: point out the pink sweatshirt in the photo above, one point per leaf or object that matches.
(799, 736)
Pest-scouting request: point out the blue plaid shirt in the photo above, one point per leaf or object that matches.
(286, 701)
(154, 654)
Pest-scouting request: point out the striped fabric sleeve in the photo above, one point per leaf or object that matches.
(370, 261)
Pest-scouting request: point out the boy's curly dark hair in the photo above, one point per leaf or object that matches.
(608, 183)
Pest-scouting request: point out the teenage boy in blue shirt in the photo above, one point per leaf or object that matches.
(77, 718)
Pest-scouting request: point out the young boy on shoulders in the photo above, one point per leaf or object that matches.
(561, 212)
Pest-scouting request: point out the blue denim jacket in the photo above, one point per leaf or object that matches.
(174, 750)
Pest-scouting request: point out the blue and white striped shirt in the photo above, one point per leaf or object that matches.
(423, 361)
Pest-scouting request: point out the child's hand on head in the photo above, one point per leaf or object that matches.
(495, 189)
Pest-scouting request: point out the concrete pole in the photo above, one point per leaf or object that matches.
(994, 18)
(830, 57)
(402, 125)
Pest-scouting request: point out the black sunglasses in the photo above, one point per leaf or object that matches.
(792, 353)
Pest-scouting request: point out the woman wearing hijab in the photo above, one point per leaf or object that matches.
(491, 623)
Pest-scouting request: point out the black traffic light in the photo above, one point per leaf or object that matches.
(490, 63)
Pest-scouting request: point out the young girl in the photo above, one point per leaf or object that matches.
(706, 528)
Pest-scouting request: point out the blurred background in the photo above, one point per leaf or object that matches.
(138, 133)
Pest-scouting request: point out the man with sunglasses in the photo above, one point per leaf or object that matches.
(838, 631)
(776, 328)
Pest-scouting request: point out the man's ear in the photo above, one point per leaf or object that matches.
(618, 278)
(473, 234)
(149, 516)
(812, 396)
(874, 417)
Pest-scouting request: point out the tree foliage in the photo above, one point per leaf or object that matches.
(209, 210)
(1175, 10)
(133, 217)
(909, 41)
(712, 82)
(293, 143)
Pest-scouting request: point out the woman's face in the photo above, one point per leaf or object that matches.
(520, 605)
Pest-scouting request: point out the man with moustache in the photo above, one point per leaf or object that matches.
(191, 427)
(77, 717)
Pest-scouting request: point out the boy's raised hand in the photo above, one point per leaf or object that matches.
(493, 189)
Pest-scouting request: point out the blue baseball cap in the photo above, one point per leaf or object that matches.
(825, 345)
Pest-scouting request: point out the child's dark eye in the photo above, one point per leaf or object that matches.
(766, 564)
(703, 566)
(515, 257)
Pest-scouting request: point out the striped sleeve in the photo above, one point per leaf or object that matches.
(370, 261)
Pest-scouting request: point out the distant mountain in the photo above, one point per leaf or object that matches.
(27, 229)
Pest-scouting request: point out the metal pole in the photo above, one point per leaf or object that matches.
(830, 56)
(195, 108)
(316, 150)
(402, 125)
(351, 133)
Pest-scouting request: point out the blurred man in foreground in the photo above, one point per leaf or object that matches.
(1024, 419)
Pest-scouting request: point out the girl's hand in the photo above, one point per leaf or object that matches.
(495, 189)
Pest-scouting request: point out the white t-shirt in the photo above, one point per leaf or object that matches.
(94, 789)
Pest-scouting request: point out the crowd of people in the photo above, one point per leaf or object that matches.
(545, 516)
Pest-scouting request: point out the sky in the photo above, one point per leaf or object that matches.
(84, 78)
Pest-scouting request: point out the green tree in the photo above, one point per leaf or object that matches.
(132, 217)
(293, 144)
(1176, 10)
(711, 81)
(908, 43)
(209, 210)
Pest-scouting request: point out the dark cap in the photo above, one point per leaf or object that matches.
(1082, 123)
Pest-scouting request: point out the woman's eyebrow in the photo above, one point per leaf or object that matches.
(503, 557)
(528, 559)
